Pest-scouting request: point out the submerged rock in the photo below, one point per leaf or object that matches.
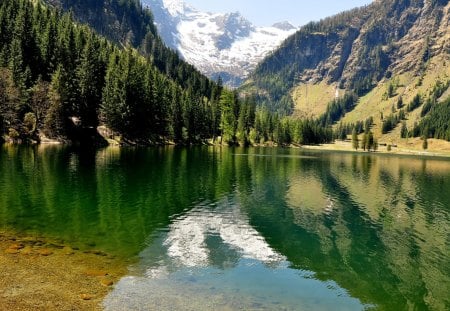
(27, 250)
(68, 250)
(17, 246)
(94, 272)
(86, 296)
(45, 252)
(11, 251)
(106, 282)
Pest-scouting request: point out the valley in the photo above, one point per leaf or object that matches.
(156, 156)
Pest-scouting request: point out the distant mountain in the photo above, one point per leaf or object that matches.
(388, 52)
(225, 45)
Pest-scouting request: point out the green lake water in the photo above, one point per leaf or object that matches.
(243, 229)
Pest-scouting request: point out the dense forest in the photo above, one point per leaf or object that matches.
(433, 113)
(60, 79)
(435, 124)
(436, 115)
(127, 23)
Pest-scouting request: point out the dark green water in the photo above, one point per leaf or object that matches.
(243, 229)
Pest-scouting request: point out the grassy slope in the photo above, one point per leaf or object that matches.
(312, 100)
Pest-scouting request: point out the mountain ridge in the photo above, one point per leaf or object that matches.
(362, 50)
(219, 44)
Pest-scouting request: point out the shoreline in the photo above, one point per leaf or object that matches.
(401, 149)
(42, 274)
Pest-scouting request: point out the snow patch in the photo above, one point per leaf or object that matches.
(216, 42)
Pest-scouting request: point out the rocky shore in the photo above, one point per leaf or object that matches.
(38, 274)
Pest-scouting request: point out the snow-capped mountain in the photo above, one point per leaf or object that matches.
(225, 45)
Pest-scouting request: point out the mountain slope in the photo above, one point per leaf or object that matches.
(362, 50)
(128, 23)
(61, 80)
(120, 21)
(225, 45)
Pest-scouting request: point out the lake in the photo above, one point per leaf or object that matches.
(209, 228)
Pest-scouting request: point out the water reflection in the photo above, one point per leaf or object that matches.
(188, 237)
(211, 258)
(253, 228)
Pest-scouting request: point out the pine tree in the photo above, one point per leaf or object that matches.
(228, 122)
(355, 141)
(49, 47)
(55, 124)
(404, 130)
(90, 76)
(400, 102)
(370, 141)
(16, 63)
(113, 105)
(425, 143)
(176, 115)
(364, 141)
(10, 102)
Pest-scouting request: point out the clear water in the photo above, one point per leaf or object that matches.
(243, 229)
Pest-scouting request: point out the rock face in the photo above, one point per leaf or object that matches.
(225, 45)
(359, 48)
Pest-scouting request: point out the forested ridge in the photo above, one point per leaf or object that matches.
(336, 70)
(129, 24)
(355, 49)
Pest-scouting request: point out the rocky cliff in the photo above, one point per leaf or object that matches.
(359, 50)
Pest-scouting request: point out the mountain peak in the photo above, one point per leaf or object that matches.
(285, 25)
(225, 44)
(176, 7)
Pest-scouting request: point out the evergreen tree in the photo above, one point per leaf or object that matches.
(400, 102)
(10, 103)
(228, 120)
(425, 143)
(55, 123)
(176, 115)
(355, 141)
(370, 142)
(404, 130)
(113, 107)
(90, 75)
(364, 142)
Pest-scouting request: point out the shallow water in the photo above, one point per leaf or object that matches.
(243, 229)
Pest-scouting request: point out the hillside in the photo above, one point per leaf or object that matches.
(381, 52)
(60, 80)
(128, 23)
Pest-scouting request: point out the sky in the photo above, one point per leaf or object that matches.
(268, 12)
